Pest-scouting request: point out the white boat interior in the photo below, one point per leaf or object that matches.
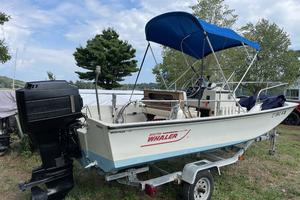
(169, 105)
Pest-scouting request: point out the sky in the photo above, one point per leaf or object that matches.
(42, 35)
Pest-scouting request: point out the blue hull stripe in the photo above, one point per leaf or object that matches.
(108, 165)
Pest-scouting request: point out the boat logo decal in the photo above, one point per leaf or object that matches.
(165, 137)
(278, 113)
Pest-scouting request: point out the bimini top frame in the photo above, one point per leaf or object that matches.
(184, 32)
(190, 35)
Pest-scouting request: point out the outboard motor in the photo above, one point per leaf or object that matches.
(49, 113)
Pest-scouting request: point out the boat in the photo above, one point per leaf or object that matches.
(8, 109)
(106, 139)
(118, 139)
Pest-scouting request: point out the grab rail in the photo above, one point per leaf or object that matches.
(267, 88)
(111, 93)
(190, 100)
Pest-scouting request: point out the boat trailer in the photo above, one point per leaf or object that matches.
(195, 176)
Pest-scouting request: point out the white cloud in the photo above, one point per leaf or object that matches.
(98, 8)
(78, 21)
(15, 35)
(53, 57)
(129, 23)
(34, 62)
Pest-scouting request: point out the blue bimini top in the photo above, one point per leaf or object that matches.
(184, 32)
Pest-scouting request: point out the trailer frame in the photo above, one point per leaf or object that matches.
(190, 172)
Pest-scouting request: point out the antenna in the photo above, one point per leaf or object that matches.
(15, 68)
(98, 71)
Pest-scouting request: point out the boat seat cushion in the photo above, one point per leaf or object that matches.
(269, 102)
(273, 102)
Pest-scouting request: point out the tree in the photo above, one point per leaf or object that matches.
(4, 55)
(215, 12)
(51, 76)
(84, 85)
(172, 67)
(276, 62)
(174, 64)
(114, 56)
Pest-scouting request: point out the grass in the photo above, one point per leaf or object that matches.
(259, 176)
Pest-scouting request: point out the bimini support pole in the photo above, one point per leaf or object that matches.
(157, 64)
(221, 70)
(186, 61)
(245, 73)
(137, 77)
(231, 75)
(248, 55)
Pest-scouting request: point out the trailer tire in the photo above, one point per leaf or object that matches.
(292, 119)
(201, 189)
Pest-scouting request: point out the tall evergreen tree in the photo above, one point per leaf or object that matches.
(114, 56)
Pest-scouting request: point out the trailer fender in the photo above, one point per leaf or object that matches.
(190, 172)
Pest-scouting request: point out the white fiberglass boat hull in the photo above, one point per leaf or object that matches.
(117, 146)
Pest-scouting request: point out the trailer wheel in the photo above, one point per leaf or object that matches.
(292, 119)
(201, 189)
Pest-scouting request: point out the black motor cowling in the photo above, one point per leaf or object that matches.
(49, 113)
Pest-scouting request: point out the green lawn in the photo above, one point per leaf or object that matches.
(259, 176)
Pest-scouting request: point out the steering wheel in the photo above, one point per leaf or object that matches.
(195, 89)
(192, 91)
(211, 86)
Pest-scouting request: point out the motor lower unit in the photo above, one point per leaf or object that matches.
(49, 113)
